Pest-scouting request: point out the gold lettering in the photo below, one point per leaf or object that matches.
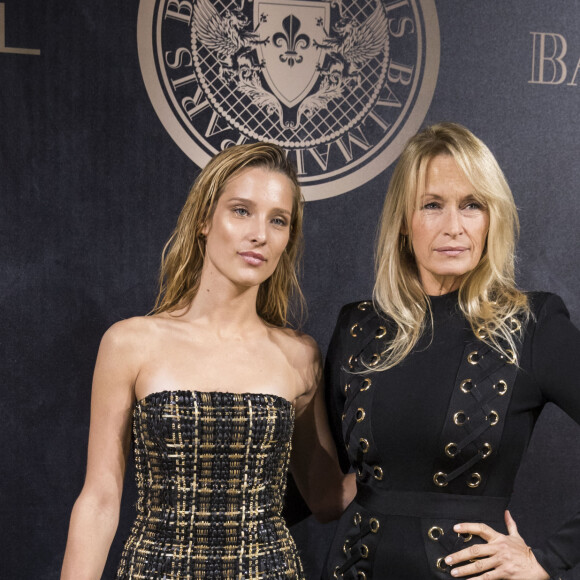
(396, 5)
(572, 83)
(193, 106)
(8, 49)
(179, 10)
(555, 60)
(320, 158)
(400, 73)
(388, 100)
(229, 143)
(183, 81)
(180, 53)
(299, 161)
(380, 122)
(214, 127)
(402, 22)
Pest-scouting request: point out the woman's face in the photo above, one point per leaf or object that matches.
(250, 227)
(449, 227)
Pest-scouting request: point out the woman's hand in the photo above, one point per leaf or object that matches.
(502, 558)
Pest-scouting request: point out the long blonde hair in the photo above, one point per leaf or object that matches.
(183, 255)
(488, 296)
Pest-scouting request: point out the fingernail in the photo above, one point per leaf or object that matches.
(457, 527)
(449, 560)
(454, 572)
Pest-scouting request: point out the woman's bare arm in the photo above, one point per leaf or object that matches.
(314, 462)
(95, 514)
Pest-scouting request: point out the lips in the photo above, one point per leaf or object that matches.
(252, 258)
(451, 251)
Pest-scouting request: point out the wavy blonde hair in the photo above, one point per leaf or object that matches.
(183, 255)
(488, 296)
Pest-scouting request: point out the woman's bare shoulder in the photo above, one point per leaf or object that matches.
(132, 335)
(299, 346)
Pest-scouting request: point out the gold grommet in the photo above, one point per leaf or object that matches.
(377, 473)
(343, 417)
(440, 479)
(345, 547)
(485, 450)
(360, 414)
(511, 357)
(475, 480)
(381, 332)
(460, 418)
(336, 571)
(351, 361)
(364, 444)
(441, 565)
(451, 449)
(473, 357)
(346, 388)
(466, 386)
(481, 333)
(493, 418)
(361, 575)
(501, 387)
(364, 305)
(466, 537)
(374, 360)
(353, 328)
(359, 471)
(357, 518)
(364, 551)
(435, 533)
(366, 384)
(374, 525)
(515, 325)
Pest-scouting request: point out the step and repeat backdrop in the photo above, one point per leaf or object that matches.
(107, 112)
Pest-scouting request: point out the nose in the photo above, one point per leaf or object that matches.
(258, 233)
(454, 223)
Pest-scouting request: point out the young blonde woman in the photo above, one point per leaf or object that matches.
(215, 390)
(435, 385)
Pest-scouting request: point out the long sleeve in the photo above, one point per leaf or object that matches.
(556, 366)
(335, 396)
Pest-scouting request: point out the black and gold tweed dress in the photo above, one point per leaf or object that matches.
(211, 474)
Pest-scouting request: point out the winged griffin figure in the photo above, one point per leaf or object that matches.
(226, 35)
(355, 43)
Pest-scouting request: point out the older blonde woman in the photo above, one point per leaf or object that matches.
(435, 385)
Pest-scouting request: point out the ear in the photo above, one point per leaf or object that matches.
(204, 231)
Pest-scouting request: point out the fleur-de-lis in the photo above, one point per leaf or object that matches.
(292, 40)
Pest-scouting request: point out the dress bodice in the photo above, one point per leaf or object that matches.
(211, 474)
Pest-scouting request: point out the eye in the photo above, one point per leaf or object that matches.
(431, 205)
(475, 205)
(280, 222)
(241, 211)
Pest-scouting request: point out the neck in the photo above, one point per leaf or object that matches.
(224, 306)
(437, 286)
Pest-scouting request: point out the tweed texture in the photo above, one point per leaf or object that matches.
(211, 474)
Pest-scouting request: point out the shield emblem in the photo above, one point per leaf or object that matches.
(291, 57)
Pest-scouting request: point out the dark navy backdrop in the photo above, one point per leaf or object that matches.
(91, 185)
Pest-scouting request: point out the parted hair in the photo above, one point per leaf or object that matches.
(487, 295)
(183, 255)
